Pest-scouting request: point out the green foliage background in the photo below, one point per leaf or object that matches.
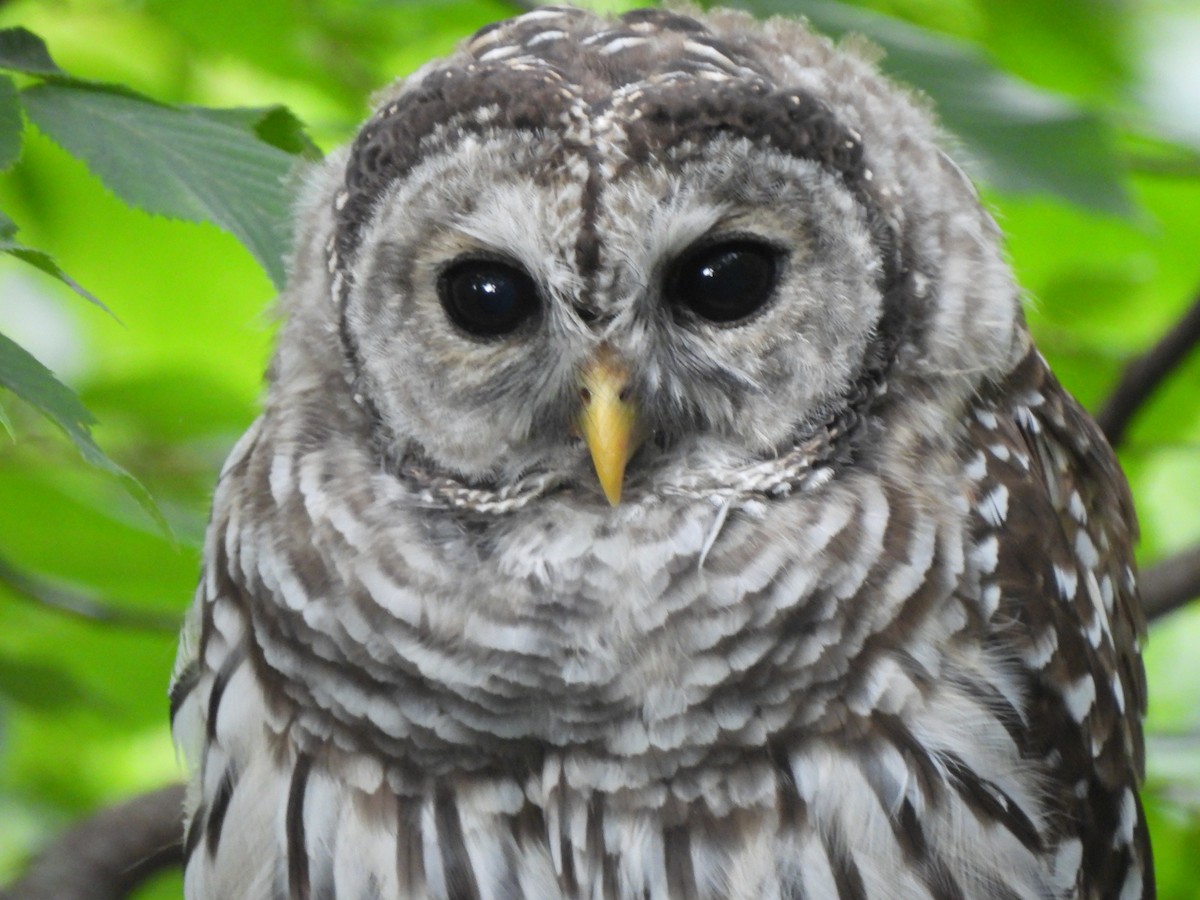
(1063, 107)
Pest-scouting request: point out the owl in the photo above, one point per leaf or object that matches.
(658, 495)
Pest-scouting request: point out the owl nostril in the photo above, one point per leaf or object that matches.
(625, 394)
(585, 396)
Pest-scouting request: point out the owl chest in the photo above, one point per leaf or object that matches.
(803, 821)
(738, 724)
(653, 632)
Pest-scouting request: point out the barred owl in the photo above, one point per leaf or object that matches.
(658, 495)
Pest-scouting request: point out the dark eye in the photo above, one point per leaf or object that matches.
(725, 282)
(487, 298)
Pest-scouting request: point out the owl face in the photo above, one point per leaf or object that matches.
(730, 303)
(606, 253)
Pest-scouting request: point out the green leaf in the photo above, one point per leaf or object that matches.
(274, 125)
(1021, 139)
(6, 424)
(23, 51)
(40, 686)
(22, 374)
(11, 124)
(174, 162)
(1077, 46)
(42, 261)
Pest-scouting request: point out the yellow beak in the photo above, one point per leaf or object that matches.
(608, 419)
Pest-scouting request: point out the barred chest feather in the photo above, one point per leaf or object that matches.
(682, 697)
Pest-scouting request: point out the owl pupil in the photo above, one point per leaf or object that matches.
(487, 298)
(724, 282)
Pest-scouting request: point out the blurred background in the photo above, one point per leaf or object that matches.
(1081, 118)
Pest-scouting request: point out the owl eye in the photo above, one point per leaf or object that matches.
(487, 298)
(725, 282)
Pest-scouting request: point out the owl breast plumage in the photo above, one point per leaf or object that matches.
(658, 495)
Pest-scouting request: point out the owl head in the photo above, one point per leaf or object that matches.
(613, 254)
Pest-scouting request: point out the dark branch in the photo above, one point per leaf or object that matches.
(1144, 374)
(1178, 162)
(82, 605)
(1172, 583)
(106, 856)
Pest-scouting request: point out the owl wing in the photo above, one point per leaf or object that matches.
(1055, 505)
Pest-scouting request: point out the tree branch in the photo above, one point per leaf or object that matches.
(1144, 374)
(106, 856)
(1171, 583)
(82, 605)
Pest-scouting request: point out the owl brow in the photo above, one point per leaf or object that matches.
(475, 98)
(451, 103)
(676, 113)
